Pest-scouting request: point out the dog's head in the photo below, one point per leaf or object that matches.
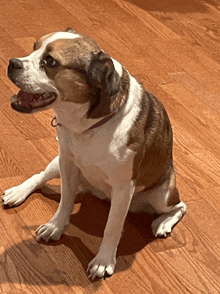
(67, 67)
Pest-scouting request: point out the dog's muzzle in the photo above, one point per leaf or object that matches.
(15, 68)
(26, 102)
(14, 64)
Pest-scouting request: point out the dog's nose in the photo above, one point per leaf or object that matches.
(15, 63)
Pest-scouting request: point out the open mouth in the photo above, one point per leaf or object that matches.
(27, 102)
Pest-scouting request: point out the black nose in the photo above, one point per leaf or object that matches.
(15, 63)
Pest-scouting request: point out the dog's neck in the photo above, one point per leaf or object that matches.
(73, 117)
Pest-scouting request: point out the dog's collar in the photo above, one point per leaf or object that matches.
(102, 121)
(54, 122)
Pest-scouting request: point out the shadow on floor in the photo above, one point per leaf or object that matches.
(90, 219)
(186, 6)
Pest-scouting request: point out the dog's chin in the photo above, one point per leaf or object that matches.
(28, 102)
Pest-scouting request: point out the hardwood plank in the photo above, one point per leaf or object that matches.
(198, 29)
(50, 144)
(27, 259)
(198, 261)
(26, 43)
(9, 47)
(187, 191)
(172, 47)
(6, 183)
(29, 127)
(23, 155)
(207, 220)
(206, 97)
(5, 285)
(201, 109)
(45, 118)
(148, 21)
(212, 197)
(70, 250)
(6, 90)
(8, 167)
(195, 127)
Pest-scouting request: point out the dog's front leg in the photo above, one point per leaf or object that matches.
(104, 263)
(70, 175)
(16, 195)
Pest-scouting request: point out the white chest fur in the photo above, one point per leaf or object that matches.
(101, 155)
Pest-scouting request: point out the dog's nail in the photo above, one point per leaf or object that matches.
(38, 238)
(106, 275)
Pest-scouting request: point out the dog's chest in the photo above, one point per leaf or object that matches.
(102, 157)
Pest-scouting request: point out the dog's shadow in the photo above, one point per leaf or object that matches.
(90, 221)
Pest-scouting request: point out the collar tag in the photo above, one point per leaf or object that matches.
(54, 122)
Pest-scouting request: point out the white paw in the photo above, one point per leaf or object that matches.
(14, 196)
(49, 231)
(162, 226)
(102, 266)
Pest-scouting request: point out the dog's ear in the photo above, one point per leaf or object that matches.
(102, 74)
(69, 30)
(105, 81)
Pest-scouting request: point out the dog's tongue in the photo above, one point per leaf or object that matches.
(26, 102)
(26, 98)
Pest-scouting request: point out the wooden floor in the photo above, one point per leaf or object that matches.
(173, 47)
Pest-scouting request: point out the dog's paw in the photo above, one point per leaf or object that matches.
(13, 196)
(102, 266)
(49, 231)
(162, 226)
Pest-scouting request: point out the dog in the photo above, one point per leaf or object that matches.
(115, 139)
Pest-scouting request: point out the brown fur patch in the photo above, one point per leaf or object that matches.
(72, 86)
(38, 44)
(102, 105)
(122, 96)
(151, 138)
(73, 53)
(173, 197)
(74, 56)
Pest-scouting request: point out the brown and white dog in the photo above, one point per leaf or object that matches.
(115, 139)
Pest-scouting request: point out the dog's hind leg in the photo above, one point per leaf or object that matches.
(165, 201)
(162, 226)
(16, 195)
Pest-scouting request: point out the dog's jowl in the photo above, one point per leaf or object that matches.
(115, 139)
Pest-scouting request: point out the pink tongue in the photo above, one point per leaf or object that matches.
(26, 98)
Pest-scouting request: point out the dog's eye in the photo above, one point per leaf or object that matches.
(49, 61)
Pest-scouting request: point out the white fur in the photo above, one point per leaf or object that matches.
(34, 79)
(117, 66)
(98, 160)
(162, 226)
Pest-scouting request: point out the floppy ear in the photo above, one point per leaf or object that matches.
(102, 74)
(69, 30)
(106, 83)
